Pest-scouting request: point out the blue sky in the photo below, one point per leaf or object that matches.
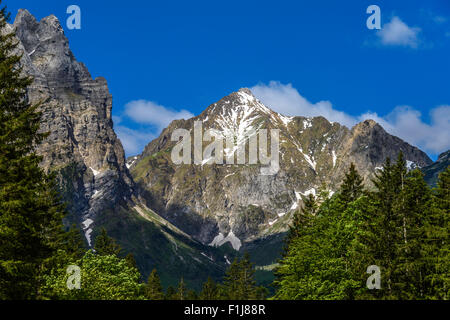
(169, 59)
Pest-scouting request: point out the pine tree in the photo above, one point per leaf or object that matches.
(239, 282)
(379, 232)
(301, 220)
(394, 233)
(131, 261)
(412, 211)
(154, 289)
(191, 295)
(352, 186)
(105, 245)
(437, 245)
(30, 210)
(182, 290)
(74, 244)
(209, 290)
(316, 264)
(171, 294)
(322, 193)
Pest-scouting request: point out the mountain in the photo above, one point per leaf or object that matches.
(241, 204)
(89, 160)
(432, 171)
(186, 220)
(82, 144)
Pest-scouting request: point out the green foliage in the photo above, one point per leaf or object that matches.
(352, 186)
(105, 245)
(153, 290)
(401, 226)
(182, 290)
(239, 283)
(171, 293)
(30, 210)
(437, 248)
(103, 277)
(131, 261)
(191, 295)
(209, 290)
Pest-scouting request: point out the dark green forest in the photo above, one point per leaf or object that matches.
(399, 224)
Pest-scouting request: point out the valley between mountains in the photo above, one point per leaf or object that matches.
(187, 219)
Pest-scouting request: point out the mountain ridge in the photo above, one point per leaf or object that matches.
(196, 198)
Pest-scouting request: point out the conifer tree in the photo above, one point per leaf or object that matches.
(412, 210)
(191, 295)
(323, 194)
(74, 244)
(239, 282)
(352, 186)
(182, 290)
(154, 289)
(379, 232)
(131, 261)
(105, 245)
(171, 294)
(437, 245)
(209, 290)
(301, 220)
(30, 210)
(394, 234)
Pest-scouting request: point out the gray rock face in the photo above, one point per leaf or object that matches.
(76, 110)
(218, 203)
(89, 159)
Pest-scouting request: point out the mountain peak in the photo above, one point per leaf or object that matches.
(24, 17)
(366, 126)
(53, 22)
(246, 91)
(22, 13)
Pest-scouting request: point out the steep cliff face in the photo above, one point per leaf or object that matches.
(236, 203)
(76, 111)
(89, 159)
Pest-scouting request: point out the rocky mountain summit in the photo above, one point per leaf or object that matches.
(232, 201)
(76, 111)
(84, 151)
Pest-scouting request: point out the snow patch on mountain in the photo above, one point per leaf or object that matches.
(220, 240)
(87, 229)
(95, 172)
(308, 192)
(333, 153)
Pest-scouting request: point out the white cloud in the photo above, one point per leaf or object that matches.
(404, 121)
(398, 33)
(287, 100)
(150, 117)
(151, 113)
(133, 141)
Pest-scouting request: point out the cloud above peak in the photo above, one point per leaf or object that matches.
(150, 117)
(143, 120)
(285, 99)
(404, 122)
(151, 113)
(398, 33)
